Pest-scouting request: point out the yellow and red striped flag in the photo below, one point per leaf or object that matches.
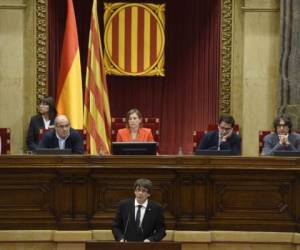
(97, 118)
(134, 38)
(69, 97)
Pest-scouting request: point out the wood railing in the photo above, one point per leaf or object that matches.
(107, 245)
(197, 193)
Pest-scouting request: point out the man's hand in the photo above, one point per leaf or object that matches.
(226, 135)
(283, 139)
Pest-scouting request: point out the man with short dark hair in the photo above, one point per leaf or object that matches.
(283, 139)
(139, 219)
(63, 136)
(222, 139)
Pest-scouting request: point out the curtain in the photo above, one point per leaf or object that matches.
(186, 99)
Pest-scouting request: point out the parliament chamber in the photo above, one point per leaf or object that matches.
(221, 57)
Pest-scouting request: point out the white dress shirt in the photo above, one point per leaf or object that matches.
(143, 209)
(61, 141)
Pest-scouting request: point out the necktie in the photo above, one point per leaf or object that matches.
(138, 216)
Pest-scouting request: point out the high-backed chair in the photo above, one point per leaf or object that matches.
(197, 137)
(83, 133)
(5, 140)
(261, 136)
(152, 123)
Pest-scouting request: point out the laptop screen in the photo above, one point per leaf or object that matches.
(53, 151)
(134, 148)
(213, 152)
(286, 153)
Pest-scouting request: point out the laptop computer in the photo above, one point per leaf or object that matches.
(286, 153)
(53, 151)
(134, 148)
(213, 152)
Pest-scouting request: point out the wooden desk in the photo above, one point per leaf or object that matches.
(111, 245)
(198, 193)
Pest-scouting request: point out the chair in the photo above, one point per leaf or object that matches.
(261, 136)
(197, 137)
(5, 140)
(83, 133)
(152, 123)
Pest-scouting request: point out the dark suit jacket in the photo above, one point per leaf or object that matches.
(74, 141)
(124, 226)
(211, 139)
(36, 123)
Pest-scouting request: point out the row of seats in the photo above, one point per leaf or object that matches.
(118, 123)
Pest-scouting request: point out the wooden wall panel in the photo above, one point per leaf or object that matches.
(192, 201)
(252, 199)
(197, 193)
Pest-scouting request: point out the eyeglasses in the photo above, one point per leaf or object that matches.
(63, 126)
(282, 125)
(223, 128)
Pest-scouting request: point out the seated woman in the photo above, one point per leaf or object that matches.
(134, 131)
(282, 139)
(43, 120)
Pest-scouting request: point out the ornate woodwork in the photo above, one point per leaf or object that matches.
(225, 57)
(197, 193)
(41, 49)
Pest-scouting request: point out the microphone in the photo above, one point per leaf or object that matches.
(140, 232)
(126, 227)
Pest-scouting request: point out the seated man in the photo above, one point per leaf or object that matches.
(222, 139)
(283, 139)
(63, 136)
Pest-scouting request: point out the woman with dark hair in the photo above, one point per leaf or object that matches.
(283, 138)
(134, 131)
(43, 120)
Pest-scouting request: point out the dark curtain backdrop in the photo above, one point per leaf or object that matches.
(185, 99)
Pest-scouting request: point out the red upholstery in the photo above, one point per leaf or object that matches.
(152, 123)
(5, 140)
(261, 136)
(81, 131)
(197, 137)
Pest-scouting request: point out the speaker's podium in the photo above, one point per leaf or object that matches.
(113, 245)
